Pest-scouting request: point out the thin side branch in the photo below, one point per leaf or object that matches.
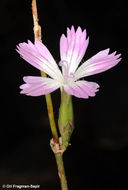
(37, 35)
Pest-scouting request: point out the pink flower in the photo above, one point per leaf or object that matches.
(72, 50)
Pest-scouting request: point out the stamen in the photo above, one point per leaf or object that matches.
(65, 64)
(65, 67)
(61, 63)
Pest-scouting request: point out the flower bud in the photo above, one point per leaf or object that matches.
(65, 122)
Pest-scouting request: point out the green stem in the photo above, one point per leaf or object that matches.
(61, 171)
(58, 156)
(51, 114)
(51, 117)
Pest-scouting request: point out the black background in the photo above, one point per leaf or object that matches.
(97, 158)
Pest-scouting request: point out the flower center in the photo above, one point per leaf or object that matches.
(68, 77)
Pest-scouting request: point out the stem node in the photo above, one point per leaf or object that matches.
(57, 147)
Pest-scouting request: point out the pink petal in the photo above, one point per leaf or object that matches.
(39, 56)
(63, 47)
(32, 79)
(100, 62)
(82, 89)
(73, 47)
(45, 53)
(37, 86)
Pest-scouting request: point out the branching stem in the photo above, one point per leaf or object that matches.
(58, 155)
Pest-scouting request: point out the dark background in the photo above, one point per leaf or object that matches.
(98, 156)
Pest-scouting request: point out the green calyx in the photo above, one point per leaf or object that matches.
(66, 118)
